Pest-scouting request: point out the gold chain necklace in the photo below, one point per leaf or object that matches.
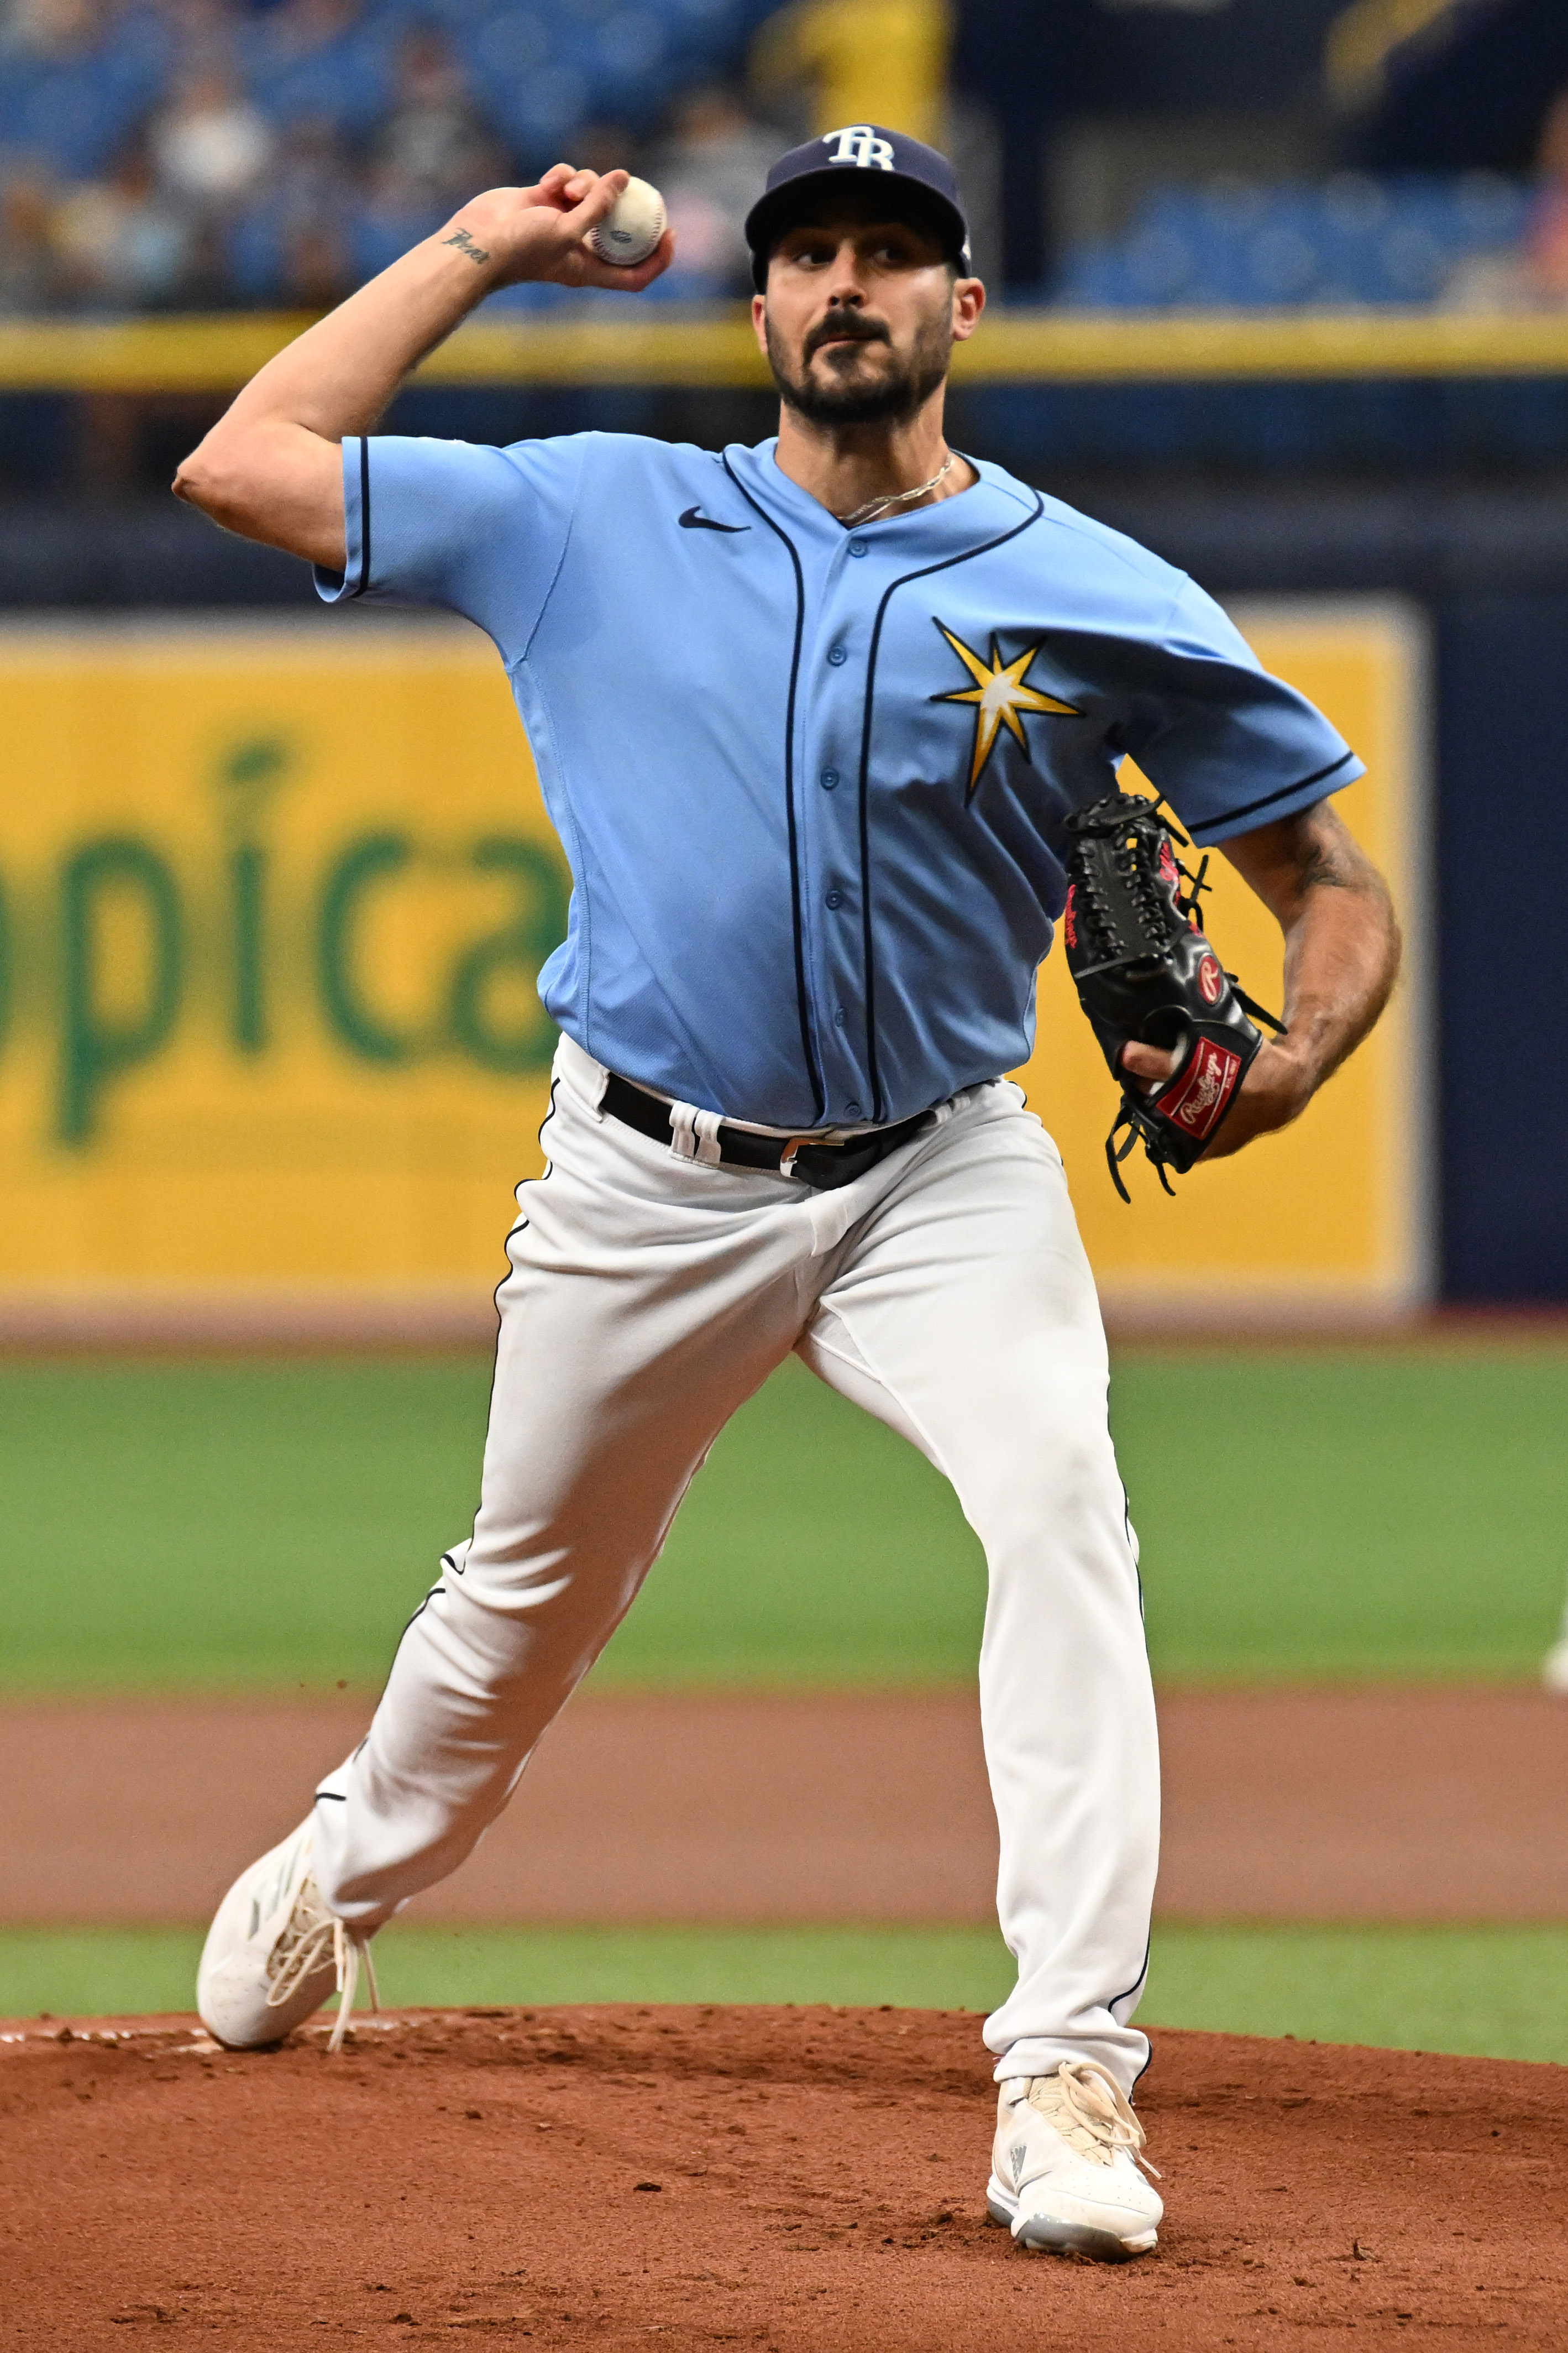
(875, 507)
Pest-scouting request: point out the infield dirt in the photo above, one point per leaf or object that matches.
(808, 2181)
(1434, 1804)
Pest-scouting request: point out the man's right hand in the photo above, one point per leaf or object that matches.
(534, 235)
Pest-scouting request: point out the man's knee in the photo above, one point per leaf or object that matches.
(1047, 1476)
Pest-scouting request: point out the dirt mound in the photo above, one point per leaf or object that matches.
(788, 2178)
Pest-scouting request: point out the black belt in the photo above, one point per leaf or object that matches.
(821, 1166)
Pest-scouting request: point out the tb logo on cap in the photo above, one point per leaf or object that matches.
(860, 145)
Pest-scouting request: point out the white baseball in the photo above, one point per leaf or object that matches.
(631, 228)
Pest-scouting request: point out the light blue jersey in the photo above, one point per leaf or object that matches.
(811, 781)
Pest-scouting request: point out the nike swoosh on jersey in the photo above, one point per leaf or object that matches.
(695, 520)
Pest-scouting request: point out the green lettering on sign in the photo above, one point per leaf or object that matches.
(373, 858)
(95, 1045)
(248, 891)
(5, 966)
(519, 948)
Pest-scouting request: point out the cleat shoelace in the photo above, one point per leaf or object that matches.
(308, 1936)
(349, 1951)
(1091, 2111)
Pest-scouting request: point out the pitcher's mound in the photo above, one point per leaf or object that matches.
(807, 2179)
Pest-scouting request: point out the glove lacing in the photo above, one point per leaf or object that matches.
(1142, 879)
(308, 1934)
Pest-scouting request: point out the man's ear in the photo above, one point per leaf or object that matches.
(968, 301)
(760, 322)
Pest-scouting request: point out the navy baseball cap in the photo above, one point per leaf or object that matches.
(920, 181)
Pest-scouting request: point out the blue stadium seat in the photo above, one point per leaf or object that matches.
(347, 80)
(75, 114)
(1348, 242)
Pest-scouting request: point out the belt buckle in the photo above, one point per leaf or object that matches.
(787, 1157)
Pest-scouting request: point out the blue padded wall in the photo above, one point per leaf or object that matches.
(1502, 760)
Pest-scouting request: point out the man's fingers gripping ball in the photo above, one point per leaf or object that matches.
(632, 227)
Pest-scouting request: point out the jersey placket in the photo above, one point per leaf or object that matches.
(833, 708)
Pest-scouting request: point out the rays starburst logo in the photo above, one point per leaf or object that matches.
(1001, 697)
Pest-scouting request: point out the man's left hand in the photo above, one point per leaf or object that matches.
(1275, 1090)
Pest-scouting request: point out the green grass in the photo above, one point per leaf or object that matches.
(1314, 1513)
(92, 1973)
(252, 1523)
(1494, 1992)
(1395, 1514)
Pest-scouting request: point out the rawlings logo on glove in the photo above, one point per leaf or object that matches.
(1145, 972)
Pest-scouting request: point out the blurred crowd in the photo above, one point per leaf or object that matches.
(193, 154)
(201, 154)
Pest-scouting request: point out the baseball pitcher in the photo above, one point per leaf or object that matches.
(811, 720)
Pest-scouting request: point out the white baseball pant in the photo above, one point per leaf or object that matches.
(947, 1292)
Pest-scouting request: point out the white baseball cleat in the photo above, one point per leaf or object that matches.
(1554, 1668)
(274, 1953)
(1064, 2171)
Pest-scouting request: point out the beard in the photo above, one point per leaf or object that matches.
(896, 392)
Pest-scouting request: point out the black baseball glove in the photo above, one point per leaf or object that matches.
(1145, 971)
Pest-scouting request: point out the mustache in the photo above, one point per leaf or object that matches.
(850, 326)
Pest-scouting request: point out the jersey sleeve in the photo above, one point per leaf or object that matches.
(1230, 746)
(480, 530)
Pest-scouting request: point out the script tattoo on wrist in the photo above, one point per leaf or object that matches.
(465, 244)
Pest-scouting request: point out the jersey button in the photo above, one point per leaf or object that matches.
(835, 898)
(851, 1110)
(840, 1018)
(829, 780)
(857, 547)
(838, 656)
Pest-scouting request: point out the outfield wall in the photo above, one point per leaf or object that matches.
(273, 898)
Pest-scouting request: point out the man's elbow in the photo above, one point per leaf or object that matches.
(282, 487)
(215, 478)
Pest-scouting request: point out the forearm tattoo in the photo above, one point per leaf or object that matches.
(1324, 869)
(465, 244)
(1326, 858)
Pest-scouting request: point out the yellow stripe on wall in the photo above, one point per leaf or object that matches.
(717, 348)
